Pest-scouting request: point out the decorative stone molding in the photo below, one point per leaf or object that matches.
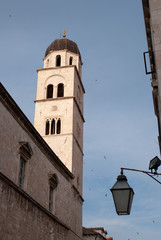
(25, 150)
(53, 180)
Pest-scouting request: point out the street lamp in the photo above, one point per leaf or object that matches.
(123, 194)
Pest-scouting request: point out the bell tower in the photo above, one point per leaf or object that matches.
(59, 104)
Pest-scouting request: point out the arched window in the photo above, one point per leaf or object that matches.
(47, 128)
(58, 130)
(53, 127)
(60, 92)
(70, 61)
(26, 153)
(49, 91)
(58, 60)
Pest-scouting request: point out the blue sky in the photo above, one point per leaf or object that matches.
(120, 128)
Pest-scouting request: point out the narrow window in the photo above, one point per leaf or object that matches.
(70, 61)
(21, 172)
(53, 127)
(58, 126)
(49, 91)
(47, 128)
(50, 199)
(60, 92)
(47, 62)
(58, 60)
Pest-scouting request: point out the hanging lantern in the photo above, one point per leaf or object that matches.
(122, 195)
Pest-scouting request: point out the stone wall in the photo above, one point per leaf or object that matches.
(22, 218)
(15, 129)
(155, 11)
(152, 17)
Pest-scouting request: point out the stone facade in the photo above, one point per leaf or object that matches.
(40, 195)
(67, 202)
(152, 16)
(23, 218)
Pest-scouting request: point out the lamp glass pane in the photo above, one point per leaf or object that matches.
(130, 200)
(121, 200)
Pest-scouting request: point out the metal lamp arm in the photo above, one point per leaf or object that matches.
(146, 172)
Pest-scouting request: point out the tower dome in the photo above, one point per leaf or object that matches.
(61, 44)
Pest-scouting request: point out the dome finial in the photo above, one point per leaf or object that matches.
(64, 35)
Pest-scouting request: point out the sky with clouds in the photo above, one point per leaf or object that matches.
(120, 128)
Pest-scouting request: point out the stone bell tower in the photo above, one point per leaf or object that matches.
(59, 104)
